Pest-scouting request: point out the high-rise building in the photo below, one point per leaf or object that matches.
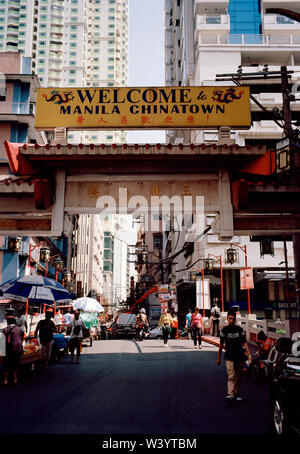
(204, 38)
(72, 43)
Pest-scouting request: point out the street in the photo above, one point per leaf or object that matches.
(126, 387)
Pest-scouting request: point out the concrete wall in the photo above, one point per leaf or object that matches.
(11, 62)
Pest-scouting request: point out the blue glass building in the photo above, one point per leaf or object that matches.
(245, 17)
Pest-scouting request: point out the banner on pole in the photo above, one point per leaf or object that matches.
(246, 278)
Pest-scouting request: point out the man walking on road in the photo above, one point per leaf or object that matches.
(77, 324)
(45, 328)
(188, 326)
(234, 339)
(216, 313)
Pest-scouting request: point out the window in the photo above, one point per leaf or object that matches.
(283, 20)
(157, 241)
(213, 19)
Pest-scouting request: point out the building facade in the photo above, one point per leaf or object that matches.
(72, 43)
(206, 38)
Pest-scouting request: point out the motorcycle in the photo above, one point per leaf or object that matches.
(264, 369)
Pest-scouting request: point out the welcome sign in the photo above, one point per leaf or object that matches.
(134, 108)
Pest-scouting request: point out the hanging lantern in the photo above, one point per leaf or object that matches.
(59, 264)
(72, 287)
(14, 244)
(67, 276)
(45, 254)
(209, 265)
(231, 256)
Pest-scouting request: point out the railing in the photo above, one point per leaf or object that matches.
(252, 326)
(249, 40)
(17, 108)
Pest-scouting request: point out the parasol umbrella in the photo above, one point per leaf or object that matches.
(87, 304)
(35, 290)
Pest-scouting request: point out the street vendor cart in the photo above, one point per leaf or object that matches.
(32, 355)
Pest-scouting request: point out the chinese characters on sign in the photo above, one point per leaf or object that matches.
(246, 277)
(143, 107)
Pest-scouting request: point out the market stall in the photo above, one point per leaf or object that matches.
(32, 354)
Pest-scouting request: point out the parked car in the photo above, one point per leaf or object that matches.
(285, 387)
(123, 325)
(155, 333)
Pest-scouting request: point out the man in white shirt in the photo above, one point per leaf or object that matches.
(216, 314)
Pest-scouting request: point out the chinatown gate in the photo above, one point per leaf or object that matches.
(50, 182)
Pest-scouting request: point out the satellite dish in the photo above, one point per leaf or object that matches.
(296, 348)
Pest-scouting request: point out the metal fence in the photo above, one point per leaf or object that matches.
(249, 40)
(17, 108)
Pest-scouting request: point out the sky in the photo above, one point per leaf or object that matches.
(146, 64)
(146, 55)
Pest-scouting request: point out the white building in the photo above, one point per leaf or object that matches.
(73, 43)
(88, 260)
(117, 270)
(204, 38)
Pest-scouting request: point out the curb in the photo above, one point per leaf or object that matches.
(210, 341)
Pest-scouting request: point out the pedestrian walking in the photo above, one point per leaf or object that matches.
(188, 326)
(165, 323)
(197, 327)
(234, 340)
(13, 350)
(76, 326)
(21, 321)
(174, 326)
(44, 330)
(216, 314)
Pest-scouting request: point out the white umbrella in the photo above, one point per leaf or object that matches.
(88, 305)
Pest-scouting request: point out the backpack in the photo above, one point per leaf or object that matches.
(217, 313)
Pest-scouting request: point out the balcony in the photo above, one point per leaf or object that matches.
(212, 22)
(276, 23)
(17, 108)
(239, 40)
(211, 6)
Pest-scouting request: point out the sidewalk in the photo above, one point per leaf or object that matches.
(211, 339)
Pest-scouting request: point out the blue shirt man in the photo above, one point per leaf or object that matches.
(188, 319)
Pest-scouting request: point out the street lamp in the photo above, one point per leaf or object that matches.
(219, 258)
(202, 272)
(232, 258)
(209, 265)
(45, 254)
(14, 244)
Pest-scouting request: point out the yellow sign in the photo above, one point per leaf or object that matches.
(158, 108)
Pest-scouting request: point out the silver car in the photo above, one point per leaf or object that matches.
(155, 333)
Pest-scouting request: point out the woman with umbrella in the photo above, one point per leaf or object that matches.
(76, 325)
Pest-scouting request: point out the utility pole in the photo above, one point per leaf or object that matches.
(286, 104)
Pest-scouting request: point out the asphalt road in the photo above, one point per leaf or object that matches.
(126, 387)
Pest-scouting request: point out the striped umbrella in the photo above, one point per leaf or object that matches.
(35, 290)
